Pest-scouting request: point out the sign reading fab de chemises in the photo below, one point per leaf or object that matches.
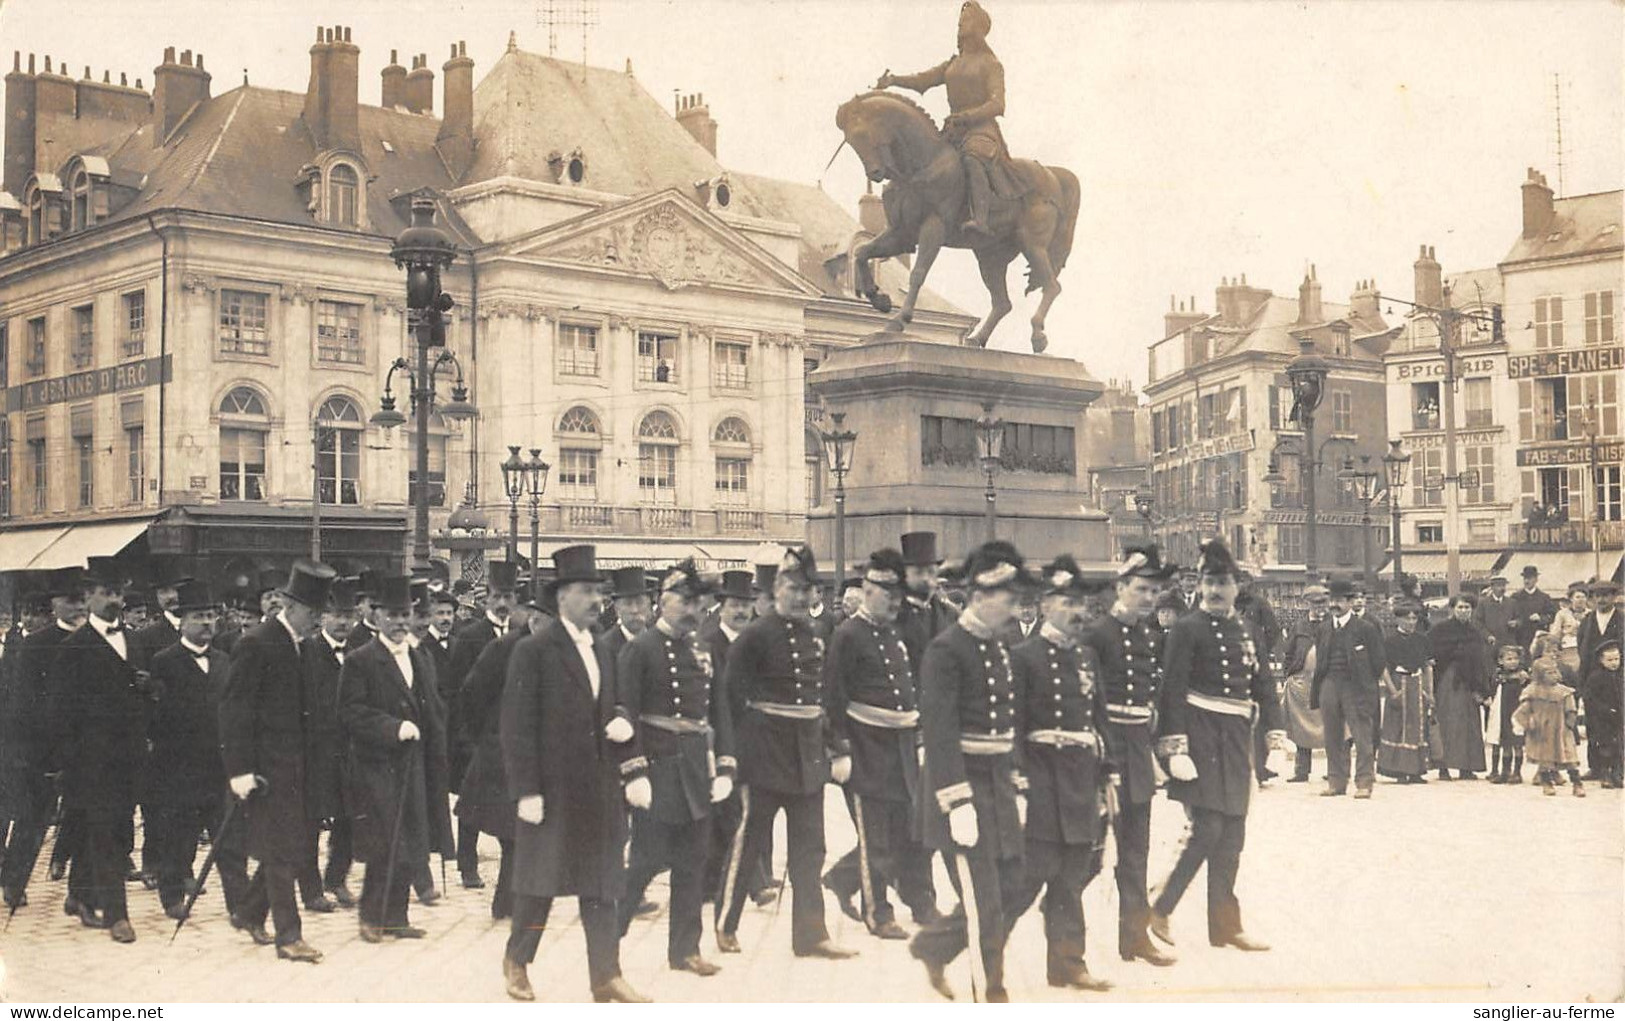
(84, 385)
(1572, 453)
(1566, 362)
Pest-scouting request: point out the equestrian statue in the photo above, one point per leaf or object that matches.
(958, 186)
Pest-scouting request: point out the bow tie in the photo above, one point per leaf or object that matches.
(201, 657)
(116, 629)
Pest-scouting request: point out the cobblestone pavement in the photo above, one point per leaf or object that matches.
(1459, 891)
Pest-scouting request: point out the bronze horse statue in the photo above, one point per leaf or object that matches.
(900, 144)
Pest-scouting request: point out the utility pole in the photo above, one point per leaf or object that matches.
(1447, 320)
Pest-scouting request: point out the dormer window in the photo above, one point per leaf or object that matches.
(81, 201)
(343, 195)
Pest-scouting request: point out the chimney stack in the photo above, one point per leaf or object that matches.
(871, 213)
(1537, 204)
(420, 86)
(1364, 302)
(1180, 316)
(695, 117)
(20, 125)
(456, 137)
(1429, 281)
(177, 86)
(394, 78)
(1309, 309)
(333, 96)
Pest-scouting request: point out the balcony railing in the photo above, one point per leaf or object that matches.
(740, 520)
(588, 517)
(1551, 429)
(666, 519)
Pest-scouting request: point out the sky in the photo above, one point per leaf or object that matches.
(1211, 138)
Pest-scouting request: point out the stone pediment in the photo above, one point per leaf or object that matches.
(666, 238)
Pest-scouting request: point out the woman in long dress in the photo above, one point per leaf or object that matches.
(1462, 672)
(1403, 754)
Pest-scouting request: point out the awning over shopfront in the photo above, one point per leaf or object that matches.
(1559, 567)
(709, 557)
(90, 539)
(19, 547)
(1475, 565)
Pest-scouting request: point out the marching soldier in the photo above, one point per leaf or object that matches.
(967, 714)
(684, 745)
(1214, 683)
(1126, 650)
(786, 755)
(263, 736)
(1059, 706)
(874, 709)
(565, 743)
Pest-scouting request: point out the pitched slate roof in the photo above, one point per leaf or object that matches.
(1581, 225)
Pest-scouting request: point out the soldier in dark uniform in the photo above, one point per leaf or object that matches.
(1059, 707)
(684, 745)
(501, 581)
(1214, 684)
(967, 714)
(786, 755)
(874, 709)
(1127, 650)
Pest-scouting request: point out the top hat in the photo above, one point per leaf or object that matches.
(997, 565)
(735, 585)
(168, 573)
(920, 549)
(367, 583)
(765, 576)
(343, 595)
(575, 563)
(886, 568)
(441, 597)
(309, 583)
(393, 593)
(684, 579)
(502, 576)
(1215, 560)
(627, 583)
(192, 595)
(799, 565)
(1340, 588)
(103, 571)
(1531, 571)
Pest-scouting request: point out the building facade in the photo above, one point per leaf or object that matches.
(199, 315)
(1220, 409)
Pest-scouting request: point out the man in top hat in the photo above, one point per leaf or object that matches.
(1126, 648)
(1350, 679)
(734, 613)
(395, 723)
(874, 708)
(923, 614)
(1213, 685)
(28, 751)
(629, 594)
(672, 691)
(323, 655)
(1060, 706)
(1304, 725)
(968, 718)
(103, 714)
(366, 626)
(187, 792)
(1530, 609)
(762, 585)
(565, 743)
(1493, 614)
(265, 736)
(502, 579)
(786, 755)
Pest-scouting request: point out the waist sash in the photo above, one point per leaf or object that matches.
(1220, 704)
(1065, 738)
(1128, 713)
(675, 724)
(877, 716)
(988, 744)
(789, 712)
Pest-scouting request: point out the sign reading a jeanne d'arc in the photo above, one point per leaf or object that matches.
(1566, 362)
(81, 386)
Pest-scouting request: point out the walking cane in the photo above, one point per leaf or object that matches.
(400, 816)
(973, 929)
(864, 876)
(260, 784)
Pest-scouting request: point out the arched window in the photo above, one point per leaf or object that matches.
(34, 200)
(731, 441)
(338, 451)
(439, 433)
(343, 195)
(244, 426)
(814, 458)
(579, 437)
(81, 200)
(657, 458)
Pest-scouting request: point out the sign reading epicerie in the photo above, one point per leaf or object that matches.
(84, 385)
(1566, 362)
(1435, 369)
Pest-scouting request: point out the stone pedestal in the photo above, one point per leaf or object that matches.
(914, 405)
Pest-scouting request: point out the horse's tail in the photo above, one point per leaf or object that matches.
(1060, 245)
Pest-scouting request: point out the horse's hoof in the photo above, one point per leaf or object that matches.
(1040, 342)
(881, 302)
(895, 325)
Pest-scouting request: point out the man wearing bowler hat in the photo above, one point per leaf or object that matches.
(395, 723)
(565, 748)
(265, 741)
(1530, 609)
(1350, 680)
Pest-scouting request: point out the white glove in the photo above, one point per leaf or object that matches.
(962, 825)
(919, 756)
(1021, 810)
(840, 768)
(1180, 767)
(618, 730)
(409, 731)
(721, 787)
(530, 809)
(1279, 742)
(640, 793)
(242, 786)
(1517, 728)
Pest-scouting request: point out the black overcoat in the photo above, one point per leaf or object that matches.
(484, 802)
(328, 779)
(262, 731)
(184, 769)
(28, 722)
(105, 717)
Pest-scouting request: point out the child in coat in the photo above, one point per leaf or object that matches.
(1604, 690)
(1545, 718)
(1510, 677)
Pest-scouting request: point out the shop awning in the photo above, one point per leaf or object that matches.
(91, 539)
(18, 548)
(1431, 566)
(1559, 567)
(711, 557)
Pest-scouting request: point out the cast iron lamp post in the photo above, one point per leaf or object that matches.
(838, 444)
(990, 445)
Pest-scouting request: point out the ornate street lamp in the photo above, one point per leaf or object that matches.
(1307, 376)
(513, 483)
(424, 251)
(1398, 463)
(838, 444)
(990, 445)
(536, 471)
(1363, 481)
